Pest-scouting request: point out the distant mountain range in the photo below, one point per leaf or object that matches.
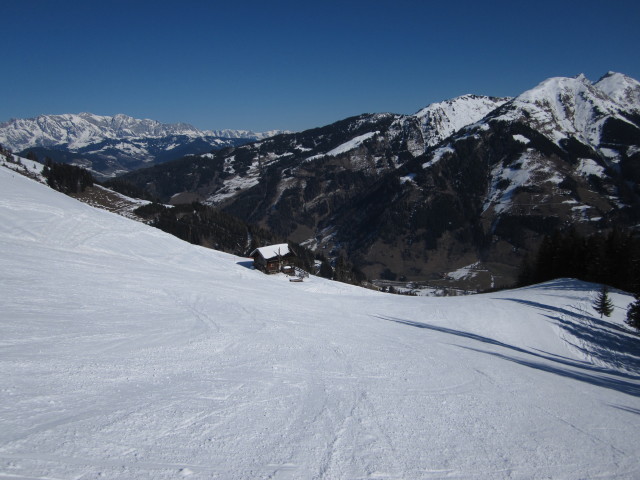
(460, 191)
(110, 145)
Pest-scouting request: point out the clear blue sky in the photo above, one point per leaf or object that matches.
(294, 65)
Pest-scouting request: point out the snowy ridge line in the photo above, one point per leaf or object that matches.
(83, 129)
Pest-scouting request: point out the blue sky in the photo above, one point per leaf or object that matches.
(296, 65)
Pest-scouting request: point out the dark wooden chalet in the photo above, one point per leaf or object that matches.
(273, 258)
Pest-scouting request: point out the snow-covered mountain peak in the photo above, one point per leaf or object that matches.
(555, 88)
(622, 89)
(441, 119)
(562, 107)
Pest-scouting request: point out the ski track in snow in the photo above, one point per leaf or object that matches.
(126, 353)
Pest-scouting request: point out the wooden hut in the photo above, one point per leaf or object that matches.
(273, 258)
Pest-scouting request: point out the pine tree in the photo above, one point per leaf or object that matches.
(633, 313)
(325, 269)
(603, 304)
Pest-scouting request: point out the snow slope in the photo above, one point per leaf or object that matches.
(126, 353)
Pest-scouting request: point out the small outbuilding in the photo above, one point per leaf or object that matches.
(273, 258)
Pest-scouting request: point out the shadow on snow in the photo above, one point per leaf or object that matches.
(565, 284)
(543, 361)
(599, 339)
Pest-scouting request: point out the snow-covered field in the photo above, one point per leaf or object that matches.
(126, 353)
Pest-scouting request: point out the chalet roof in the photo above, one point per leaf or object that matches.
(272, 251)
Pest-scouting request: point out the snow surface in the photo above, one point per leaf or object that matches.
(502, 198)
(410, 177)
(25, 166)
(466, 272)
(352, 144)
(126, 353)
(587, 166)
(272, 251)
(235, 184)
(529, 169)
(437, 155)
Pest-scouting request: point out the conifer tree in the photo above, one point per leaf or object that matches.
(325, 269)
(603, 304)
(633, 313)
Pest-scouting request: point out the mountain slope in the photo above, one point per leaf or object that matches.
(293, 183)
(368, 143)
(473, 181)
(574, 108)
(563, 153)
(129, 354)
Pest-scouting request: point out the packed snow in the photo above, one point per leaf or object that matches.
(127, 353)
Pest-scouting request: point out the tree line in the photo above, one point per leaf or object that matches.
(611, 259)
(608, 259)
(207, 226)
(204, 225)
(66, 178)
